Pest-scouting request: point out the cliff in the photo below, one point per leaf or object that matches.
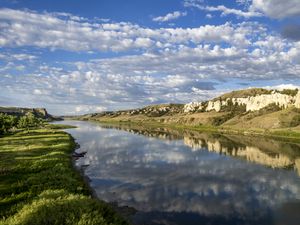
(251, 103)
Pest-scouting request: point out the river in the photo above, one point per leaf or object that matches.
(189, 177)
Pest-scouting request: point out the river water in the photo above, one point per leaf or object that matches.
(189, 177)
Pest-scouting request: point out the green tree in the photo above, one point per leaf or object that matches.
(7, 122)
(27, 121)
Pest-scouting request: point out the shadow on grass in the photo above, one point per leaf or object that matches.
(33, 166)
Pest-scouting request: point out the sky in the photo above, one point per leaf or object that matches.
(77, 57)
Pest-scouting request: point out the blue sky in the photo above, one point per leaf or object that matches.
(89, 56)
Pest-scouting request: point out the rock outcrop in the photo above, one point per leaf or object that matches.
(297, 100)
(192, 107)
(252, 103)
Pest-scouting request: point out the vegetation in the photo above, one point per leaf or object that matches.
(244, 93)
(268, 109)
(233, 109)
(58, 126)
(10, 122)
(290, 118)
(39, 184)
(7, 122)
(291, 92)
(219, 120)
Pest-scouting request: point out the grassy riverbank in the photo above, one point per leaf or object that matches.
(38, 184)
(291, 134)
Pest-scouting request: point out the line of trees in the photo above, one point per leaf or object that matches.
(10, 122)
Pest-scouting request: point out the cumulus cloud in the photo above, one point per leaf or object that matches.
(221, 8)
(169, 16)
(17, 57)
(26, 28)
(283, 86)
(277, 9)
(228, 11)
(163, 64)
(179, 75)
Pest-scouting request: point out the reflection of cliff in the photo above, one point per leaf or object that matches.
(268, 152)
(297, 165)
(250, 153)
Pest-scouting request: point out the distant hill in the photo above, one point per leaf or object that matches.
(244, 93)
(244, 109)
(38, 112)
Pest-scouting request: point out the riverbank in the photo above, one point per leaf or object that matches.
(285, 134)
(39, 184)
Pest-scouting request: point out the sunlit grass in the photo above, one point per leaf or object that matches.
(38, 184)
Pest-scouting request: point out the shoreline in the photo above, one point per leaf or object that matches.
(40, 184)
(124, 211)
(283, 134)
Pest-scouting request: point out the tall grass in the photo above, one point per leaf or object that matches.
(38, 184)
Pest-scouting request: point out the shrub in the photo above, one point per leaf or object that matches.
(233, 107)
(219, 120)
(291, 92)
(7, 122)
(29, 120)
(295, 121)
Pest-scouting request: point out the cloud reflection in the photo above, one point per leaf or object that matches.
(189, 173)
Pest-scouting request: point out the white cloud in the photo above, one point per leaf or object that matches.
(87, 109)
(221, 8)
(209, 16)
(163, 64)
(283, 86)
(228, 11)
(25, 28)
(277, 8)
(17, 57)
(171, 75)
(169, 16)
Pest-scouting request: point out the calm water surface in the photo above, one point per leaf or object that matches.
(174, 177)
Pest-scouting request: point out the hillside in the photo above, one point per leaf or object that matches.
(255, 108)
(38, 112)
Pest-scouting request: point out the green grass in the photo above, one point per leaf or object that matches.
(59, 126)
(38, 184)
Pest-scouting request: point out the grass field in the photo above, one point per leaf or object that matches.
(38, 184)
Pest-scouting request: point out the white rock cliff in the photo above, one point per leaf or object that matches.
(252, 103)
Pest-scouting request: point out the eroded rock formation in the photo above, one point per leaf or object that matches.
(252, 103)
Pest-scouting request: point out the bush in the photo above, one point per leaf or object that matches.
(27, 121)
(291, 92)
(219, 120)
(7, 122)
(295, 121)
(233, 107)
